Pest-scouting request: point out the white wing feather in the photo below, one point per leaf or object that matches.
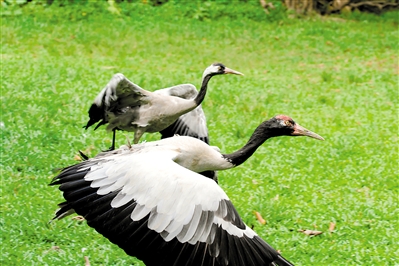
(175, 197)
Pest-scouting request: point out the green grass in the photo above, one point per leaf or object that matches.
(337, 77)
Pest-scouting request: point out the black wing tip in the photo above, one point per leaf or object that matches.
(66, 173)
(281, 261)
(83, 156)
(65, 209)
(55, 182)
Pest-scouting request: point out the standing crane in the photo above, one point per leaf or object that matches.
(124, 105)
(150, 200)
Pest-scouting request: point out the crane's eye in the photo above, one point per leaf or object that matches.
(288, 123)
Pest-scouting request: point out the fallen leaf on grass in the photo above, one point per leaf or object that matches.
(87, 262)
(332, 227)
(77, 158)
(78, 218)
(310, 232)
(260, 218)
(54, 248)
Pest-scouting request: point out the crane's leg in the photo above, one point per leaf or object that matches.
(113, 140)
(137, 135)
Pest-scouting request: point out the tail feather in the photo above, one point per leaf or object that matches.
(96, 113)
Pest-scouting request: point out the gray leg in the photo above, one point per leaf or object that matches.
(137, 135)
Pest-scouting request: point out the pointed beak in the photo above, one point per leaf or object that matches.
(232, 71)
(301, 131)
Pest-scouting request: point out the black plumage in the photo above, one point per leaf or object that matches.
(150, 200)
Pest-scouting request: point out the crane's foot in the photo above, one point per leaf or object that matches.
(110, 148)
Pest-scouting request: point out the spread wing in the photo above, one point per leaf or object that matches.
(118, 94)
(160, 212)
(191, 124)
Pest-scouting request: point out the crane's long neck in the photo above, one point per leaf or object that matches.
(260, 135)
(204, 86)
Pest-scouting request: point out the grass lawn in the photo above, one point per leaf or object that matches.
(335, 76)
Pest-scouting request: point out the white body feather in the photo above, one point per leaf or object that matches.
(157, 176)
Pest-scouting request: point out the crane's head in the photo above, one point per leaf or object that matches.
(285, 125)
(219, 69)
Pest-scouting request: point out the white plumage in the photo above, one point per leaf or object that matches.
(181, 205)
(150, 200)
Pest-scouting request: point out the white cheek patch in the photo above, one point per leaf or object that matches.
(282, 122)
(211, 69)
(214, 68)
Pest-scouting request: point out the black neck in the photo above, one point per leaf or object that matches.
(260, 135)
(204, 86)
